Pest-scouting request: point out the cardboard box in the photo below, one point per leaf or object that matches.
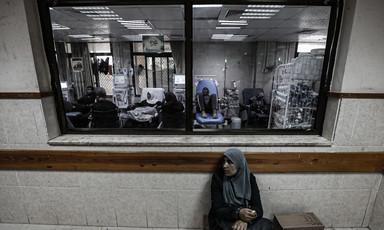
(297, 221)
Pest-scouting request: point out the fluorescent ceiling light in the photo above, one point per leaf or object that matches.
(266, 6)
(315, 37)
(149, 34)
(132, 21)
(240, 22)
(59, 27)
(80, 36)
(207, 5)
(258, 14)
(254, 17)
(221, 36)
(89, 39)
(262, 10)
(97, 12)
(90, 8)
(102, 15)
(106, 18)
(233, 24)
(228, 27)
(237, 37)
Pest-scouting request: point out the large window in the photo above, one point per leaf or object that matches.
(254, 68)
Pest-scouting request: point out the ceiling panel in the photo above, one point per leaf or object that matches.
(169, 20)
(314, 12)
(168, 24)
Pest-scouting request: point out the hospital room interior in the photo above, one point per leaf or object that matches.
(263, 62)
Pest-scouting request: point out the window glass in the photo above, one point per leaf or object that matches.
(117, 66)
(247, 71)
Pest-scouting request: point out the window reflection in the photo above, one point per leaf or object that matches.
(260, 78)
(129, 57)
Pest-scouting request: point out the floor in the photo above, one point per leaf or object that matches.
(61, 227)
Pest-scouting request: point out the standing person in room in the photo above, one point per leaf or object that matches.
(85, 103)
(207, 103)
(235, 196)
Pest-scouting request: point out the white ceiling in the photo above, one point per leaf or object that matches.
(290, 24)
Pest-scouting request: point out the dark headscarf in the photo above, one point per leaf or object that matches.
(172, 104)
(237, 189)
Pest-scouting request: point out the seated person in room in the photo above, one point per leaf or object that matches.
(207, 103)
(100, 119)
(150, 101)
(235, 196)
(85, 103)
(102, 104)
(144, 113)
(257, 103)
(173, 115)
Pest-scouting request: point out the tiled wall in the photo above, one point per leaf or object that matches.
(377, 220)
(174, 200)
(360, 123)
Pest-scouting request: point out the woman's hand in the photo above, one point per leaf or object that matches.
(240, 225)
(247, 215)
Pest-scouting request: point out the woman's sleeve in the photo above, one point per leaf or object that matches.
(218, 206)
(255, 198)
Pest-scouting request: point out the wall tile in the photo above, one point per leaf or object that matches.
(377, 220)
(351, 208)
(369, 126)
(13, 226)
(81, 228)
(8, 178)
(43, 227)
(359, 180)
(113, 180)
(12, 210)
(130, 206)
(54, 205)
(346, 121)
(161, 208)
(25, 125)
(99, 207)
(177, 181)
(192, 206)
(330, 118)
(297, 181)
(49, 178)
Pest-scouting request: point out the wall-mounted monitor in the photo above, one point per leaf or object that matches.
(120, 80)
(64, 85)
(179, 79)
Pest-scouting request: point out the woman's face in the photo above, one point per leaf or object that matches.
(148, 96)
(229, 168)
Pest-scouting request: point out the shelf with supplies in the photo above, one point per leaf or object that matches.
(295, 88)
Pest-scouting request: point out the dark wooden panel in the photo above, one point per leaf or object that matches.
(357, 95)
(188, 162)
(26, 95)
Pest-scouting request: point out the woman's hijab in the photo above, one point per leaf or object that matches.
(237, 189)
(152, 99)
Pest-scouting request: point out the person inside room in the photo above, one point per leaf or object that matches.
(145, 113)
(172, 111)
(104, 112)
(235, 196)
(258, 104)
(151, 101)
(207, 103)
(85, 103)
